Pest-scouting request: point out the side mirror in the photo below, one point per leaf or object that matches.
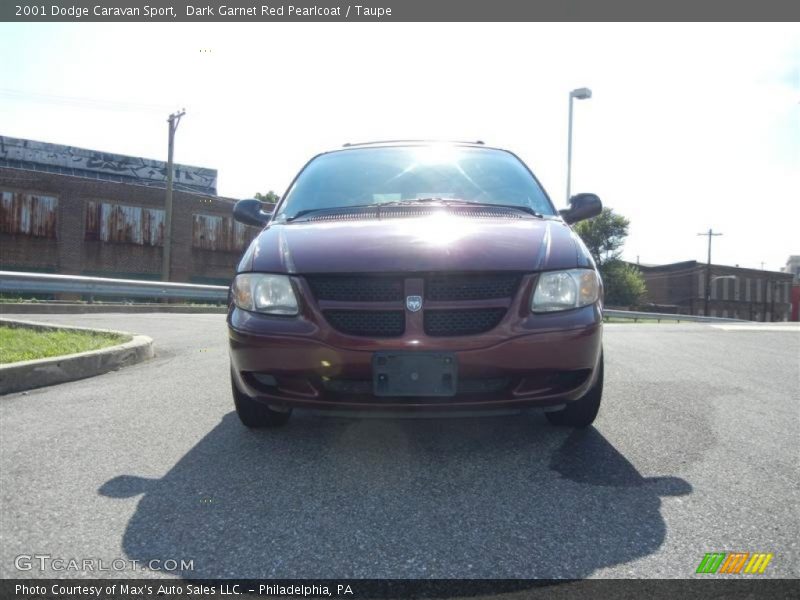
(581, 207)
(250, 212)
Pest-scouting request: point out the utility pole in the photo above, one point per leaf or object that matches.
(710, 234)
(173, 121)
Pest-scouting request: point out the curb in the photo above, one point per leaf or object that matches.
(30, 374)
(43, 308)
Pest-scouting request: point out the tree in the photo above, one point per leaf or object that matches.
(604, 237)
(270, 197)
(623, 283)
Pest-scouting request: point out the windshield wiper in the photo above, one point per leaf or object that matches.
(308, 211)
(426, 200)
(459, 202)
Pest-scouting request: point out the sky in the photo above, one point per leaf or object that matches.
(690, 126)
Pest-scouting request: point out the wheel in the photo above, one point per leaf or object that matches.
(254, 414)
(583, 411)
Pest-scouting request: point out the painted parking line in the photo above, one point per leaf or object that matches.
(756, 327)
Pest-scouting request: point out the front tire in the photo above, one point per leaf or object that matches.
(583, 411)
(254, 414)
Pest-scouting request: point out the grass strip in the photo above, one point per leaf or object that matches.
(20, 343)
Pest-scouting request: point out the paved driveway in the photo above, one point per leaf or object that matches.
(695, 451)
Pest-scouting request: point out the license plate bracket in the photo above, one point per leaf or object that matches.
(414, 374)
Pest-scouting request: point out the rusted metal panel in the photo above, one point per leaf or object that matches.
(28, 213)
(153, 226)
(44, 210)
(209, 232)
(92, 226)
(121, 223)
(242, 234)
(212, 232)
(124, 224)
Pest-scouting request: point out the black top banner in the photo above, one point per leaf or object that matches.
(398, 10)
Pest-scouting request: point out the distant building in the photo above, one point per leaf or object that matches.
(734, 292)
(71, 210)
(793, 267)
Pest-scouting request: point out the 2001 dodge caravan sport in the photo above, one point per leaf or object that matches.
(416, 276)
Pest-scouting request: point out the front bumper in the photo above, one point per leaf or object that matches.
(542, 369)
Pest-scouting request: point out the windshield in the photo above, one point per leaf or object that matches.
(397, 174)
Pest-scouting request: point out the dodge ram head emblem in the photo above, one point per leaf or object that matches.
(413, 303)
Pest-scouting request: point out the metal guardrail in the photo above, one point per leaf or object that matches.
(635, 315)
(16, 282)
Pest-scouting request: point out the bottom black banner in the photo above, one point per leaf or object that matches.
(357, 589)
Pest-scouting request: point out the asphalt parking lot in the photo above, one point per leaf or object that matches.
(696, 450)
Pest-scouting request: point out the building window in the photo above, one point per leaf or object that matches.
(212, 232)
(28, 213)
(124, 224)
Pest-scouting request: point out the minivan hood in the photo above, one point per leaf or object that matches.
(441, 242)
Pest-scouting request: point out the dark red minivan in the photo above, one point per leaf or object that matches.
(416, 276)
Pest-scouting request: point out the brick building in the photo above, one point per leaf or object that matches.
(737, 293)
(84, 212)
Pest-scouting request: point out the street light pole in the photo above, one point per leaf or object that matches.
(173, 121)
(710, 234)
(580, 94)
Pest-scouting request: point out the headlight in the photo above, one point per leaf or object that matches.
(270, 294)
(562, 290)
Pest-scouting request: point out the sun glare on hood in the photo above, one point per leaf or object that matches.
(441, 229)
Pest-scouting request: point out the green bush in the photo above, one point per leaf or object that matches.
(604, 236)
(624, 284)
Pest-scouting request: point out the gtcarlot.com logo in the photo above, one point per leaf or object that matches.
(734, 563)
(46, 562)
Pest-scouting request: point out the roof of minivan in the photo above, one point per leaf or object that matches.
(396, 143)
